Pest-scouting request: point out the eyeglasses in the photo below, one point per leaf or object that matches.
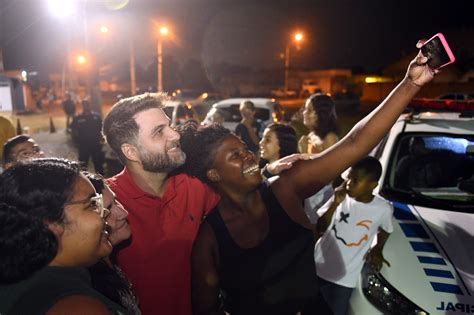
(96, 202)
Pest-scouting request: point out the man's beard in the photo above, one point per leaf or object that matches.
(160, 162)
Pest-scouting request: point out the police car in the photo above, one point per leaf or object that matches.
(428, 174)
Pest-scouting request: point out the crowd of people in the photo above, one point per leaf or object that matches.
(190, 225)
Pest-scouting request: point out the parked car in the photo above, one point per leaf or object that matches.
(267, 111)
(428, 175)
(203, 103)
(179, 112)
(281, 93)
(456, 96)
(309, 87)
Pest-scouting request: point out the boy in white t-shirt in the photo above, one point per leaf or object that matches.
(350, 224)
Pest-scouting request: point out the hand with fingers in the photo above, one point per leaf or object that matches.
(375, 259)
(285, 163)
(419, 73)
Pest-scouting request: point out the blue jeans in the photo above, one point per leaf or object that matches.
(336, 296)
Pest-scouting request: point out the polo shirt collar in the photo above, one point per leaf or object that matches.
(136, 192)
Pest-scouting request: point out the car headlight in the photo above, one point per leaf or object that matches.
(385, 297)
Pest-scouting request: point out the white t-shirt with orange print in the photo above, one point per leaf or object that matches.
(339, 253)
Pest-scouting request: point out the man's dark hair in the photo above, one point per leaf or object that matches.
(370, 167)
(286, 136)
(33, 193)
(120, 126)
(10, 144)
(200, 144)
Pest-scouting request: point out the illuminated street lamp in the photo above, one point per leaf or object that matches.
(81, 59)
(104, 29)
(61, 8)
(297, 38)
(163, 33)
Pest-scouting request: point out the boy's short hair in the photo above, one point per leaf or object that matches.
(10, 144)
(370, 166)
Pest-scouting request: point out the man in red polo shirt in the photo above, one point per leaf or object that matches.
(165, 210)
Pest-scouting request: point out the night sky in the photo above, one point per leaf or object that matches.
(360, 33)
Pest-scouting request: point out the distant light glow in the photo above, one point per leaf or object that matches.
(24, 75)
(61, 8)
(298, 37)
(81, 59)
(104, 29)
(164, 30)
(377, 80)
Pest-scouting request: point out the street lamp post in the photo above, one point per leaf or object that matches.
(159, 48)
(298, 37)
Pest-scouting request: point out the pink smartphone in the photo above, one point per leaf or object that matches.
(437, 50)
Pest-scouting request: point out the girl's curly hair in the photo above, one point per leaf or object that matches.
(200, 144)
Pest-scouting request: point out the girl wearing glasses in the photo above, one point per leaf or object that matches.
(53, 228)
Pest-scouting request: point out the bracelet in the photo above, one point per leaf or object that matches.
(265, 173)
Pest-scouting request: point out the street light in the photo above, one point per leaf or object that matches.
(104, 29)
(61, 8)
(81, 59)
(163, 33)
(297, 37)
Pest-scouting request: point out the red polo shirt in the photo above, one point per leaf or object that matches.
(157, 261)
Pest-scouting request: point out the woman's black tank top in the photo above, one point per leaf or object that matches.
(276, 277)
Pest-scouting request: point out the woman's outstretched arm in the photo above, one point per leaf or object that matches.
(307, 177)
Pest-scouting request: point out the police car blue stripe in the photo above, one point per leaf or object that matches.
(446, 288)
(439, 273)
(402, 212)
(424, 247)
(414, 230)
(431, 260)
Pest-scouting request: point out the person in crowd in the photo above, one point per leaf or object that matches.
(86, 130)
(52, 230)
(7, 131)
(253, 253)
(278, 141)
(218, 117)
(69, 108)
(248, 129)
(165, 210)
(350, 221)
(107, 277)
(319, 116)
(20, 148)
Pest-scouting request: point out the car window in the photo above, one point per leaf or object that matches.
(169, 111)
(233, 113)
(436, 167)
(184, 113)
(448, 97)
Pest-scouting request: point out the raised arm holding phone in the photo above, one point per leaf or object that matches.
(240, 248)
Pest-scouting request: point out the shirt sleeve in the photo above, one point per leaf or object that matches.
(322, 210)
(387, 224)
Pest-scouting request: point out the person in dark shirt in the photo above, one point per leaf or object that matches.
(248, 128)
(70, 110)
(86, 132)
